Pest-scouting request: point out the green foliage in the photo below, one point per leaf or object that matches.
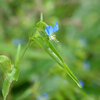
(7, 82)
(38, 73)
(43, 40)
(5, 64)
(11, 72)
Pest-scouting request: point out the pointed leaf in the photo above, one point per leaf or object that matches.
(51, 50)
(5, 64)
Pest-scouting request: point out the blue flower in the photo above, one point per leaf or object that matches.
(45, 95)
(83, 41)
(82, 83)
(50, 30)
(56, 28)
(17, 41)
(86, 65)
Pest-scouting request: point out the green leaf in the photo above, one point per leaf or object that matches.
(7, 82)
(41, 25)
(17, 62)
(17, 55)
(5, 64)
(11, 74)
(51, 50)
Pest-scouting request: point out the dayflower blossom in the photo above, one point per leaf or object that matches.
(17, 41)
(44, 96)
(50, 31)
(82, 83)
(86, 65)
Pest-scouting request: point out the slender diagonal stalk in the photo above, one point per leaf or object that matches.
(23, 54)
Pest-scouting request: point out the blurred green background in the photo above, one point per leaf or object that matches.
(79, 43)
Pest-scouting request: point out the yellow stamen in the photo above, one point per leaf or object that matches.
(52, 37)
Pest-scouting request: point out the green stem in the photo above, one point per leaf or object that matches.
(41, 17)
(22, 56)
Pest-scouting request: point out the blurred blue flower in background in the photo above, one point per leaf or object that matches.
(17, 41)
(50, 31)
(86, 65)
(83, 41)
(44, 96)
(82, 83)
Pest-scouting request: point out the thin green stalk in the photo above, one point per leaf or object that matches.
(41, 17)
(21, 58)
(17, 54)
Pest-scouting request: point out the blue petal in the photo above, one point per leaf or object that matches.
(49, 30)
(56, 28)
(82, 83)
(17, 41)
(45, 95)
(86, 65)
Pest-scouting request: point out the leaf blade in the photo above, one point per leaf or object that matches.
(7, 82)
(50, 49)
